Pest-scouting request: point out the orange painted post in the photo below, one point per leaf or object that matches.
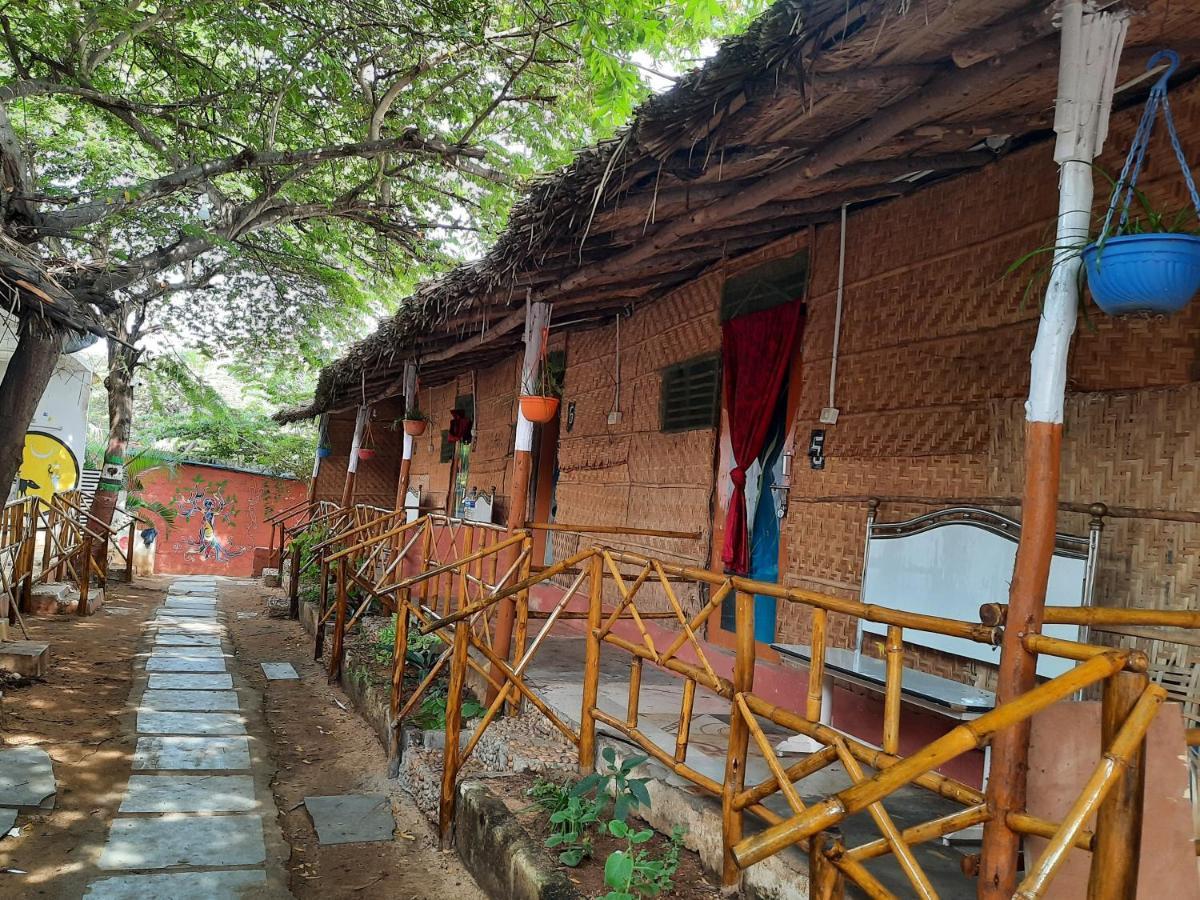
(739, 738)
(1081, 117)
(537, 319)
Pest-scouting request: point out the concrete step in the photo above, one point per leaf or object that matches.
(59, 598)
(28, 658)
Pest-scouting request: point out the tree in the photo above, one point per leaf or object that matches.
(269, 173)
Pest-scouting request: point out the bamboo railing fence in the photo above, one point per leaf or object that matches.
(56, 540)
(448, 577)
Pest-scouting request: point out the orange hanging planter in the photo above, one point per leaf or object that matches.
(539, 409)
(415, 427)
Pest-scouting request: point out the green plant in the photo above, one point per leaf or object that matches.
(627, 793)
(634, 873)
(422, 653)
(414, 414)
(571, 819)
(431, 716)
(305, 541)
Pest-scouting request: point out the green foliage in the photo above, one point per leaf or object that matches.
(306, 541)
(633, 873)
(431, 716)
(628, 793)
(414, 414)
(572, 818)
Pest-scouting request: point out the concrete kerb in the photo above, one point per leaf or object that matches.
(673, 801)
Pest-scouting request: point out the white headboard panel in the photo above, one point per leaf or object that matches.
(947, 563)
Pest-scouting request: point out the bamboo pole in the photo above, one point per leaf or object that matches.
(816, 665)
(635, 691)
(894, 682)
(904, 855)
(825, 880)
(739, 736)
(1118, 841)
(926, 831)
(1099, 616)
(1052, 646)
(450, 755)
(521, 601)
(964, 737)
(612, 529)
(399, 654)
(591, 667)
(686, 703)
(784, 783)
(339, 627)
(84, 579)
(1116, 759)
(813, 762)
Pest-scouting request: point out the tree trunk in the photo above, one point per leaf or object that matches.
(122, 362)
(25, 380)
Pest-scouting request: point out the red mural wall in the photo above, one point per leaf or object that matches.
(220, 517)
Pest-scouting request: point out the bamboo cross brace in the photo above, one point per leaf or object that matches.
(529, 695)
(785, 784)
(686, 702)
(425, 682)
(513, 675)
(862, 877)
(903, 853)
(966, 736)
(626, 598)
(628, 595)
(1103, 777)
(926, 831)
(687, 629)
(797, 771)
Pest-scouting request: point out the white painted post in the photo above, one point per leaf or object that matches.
(360, 426)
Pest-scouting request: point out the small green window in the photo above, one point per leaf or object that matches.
(691, 394)
(763, 287)
(447, 449)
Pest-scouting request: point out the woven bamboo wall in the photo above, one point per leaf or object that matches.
(933, 371)
(375, 483)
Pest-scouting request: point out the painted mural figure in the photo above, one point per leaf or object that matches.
(208, 544)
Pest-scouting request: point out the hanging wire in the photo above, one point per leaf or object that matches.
(1127, 182)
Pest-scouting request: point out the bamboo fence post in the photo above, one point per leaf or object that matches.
(739, 739)
(399, 651)
(294, 584)
(591, 669)
(322, 606)
(635, 690)
(339, 627)
(816, 665)
(451, 754)
(521, 629)
(30, 554)
(84, 577)
(685, 719)
(825, 880)
(1113, 763)
(894, 656)
(129, 552)
(1118, 841)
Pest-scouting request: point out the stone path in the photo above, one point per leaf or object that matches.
(197, 819)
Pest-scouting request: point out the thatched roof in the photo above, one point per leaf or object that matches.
(818, 103)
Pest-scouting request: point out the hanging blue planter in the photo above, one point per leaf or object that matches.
(324, 452)
(1143, 273)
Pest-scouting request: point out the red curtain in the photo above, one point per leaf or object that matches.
(756, 350)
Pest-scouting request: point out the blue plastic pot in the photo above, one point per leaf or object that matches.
(323, 452)
(1143, 273)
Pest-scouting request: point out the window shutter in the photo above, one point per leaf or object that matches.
(691, 392)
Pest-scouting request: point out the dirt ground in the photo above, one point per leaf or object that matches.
(322, 748)
(79, 716)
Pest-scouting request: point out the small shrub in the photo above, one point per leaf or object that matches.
(571, 820)
(634, 873)
(628, 793)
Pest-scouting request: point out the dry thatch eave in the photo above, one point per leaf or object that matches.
(819, 102)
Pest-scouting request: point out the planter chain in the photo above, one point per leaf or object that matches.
(1141, 140)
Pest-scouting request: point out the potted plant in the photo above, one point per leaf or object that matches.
(414, 422)
(366, 450)
(1148, 263)
(324, 451)
(541, 406)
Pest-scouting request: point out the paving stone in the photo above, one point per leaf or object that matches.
(156, 663)
(175, 612)
(151, 722)
(279, 671)
(163, 842)
(187, 626)
(193, 652)
(26, 776)
(189, 681)
(187, 639)
(189, 794)
(176, 752)
(8, 818)
(351, 818)
(189, 701)
(243, 614)
(228, 885)
(189, 600)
